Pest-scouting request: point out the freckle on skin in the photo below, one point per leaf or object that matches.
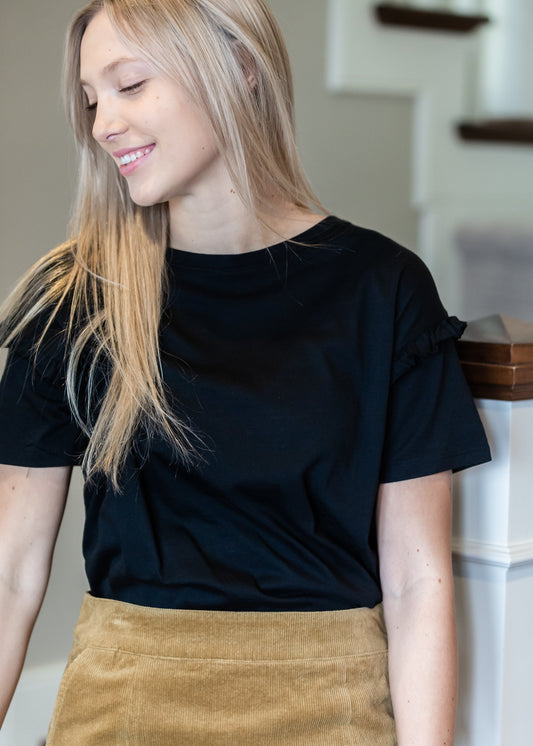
(440, 580)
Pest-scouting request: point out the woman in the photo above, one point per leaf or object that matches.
(264, 401)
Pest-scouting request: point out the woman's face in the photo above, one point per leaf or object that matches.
(162, 143)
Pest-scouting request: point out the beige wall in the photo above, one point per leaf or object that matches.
(37, 159)
(356, 150)
(36, 181)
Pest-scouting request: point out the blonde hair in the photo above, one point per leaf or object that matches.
(111, 274)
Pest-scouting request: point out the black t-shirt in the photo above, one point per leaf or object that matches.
(313, 371)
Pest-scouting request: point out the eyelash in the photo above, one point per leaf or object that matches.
(132, 88)
(128, 89)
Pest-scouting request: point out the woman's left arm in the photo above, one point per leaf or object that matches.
(414, 535)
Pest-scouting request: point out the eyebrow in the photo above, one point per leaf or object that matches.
(111, 67)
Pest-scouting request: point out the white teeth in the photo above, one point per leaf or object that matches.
(130, 157)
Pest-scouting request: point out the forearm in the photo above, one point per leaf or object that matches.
(423, 662)
(18, 613)
(31, 507)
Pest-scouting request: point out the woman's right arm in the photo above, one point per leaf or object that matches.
(32, 502)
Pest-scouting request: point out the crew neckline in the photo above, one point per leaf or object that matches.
(316, 234)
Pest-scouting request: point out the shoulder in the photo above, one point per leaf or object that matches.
(365, 246)
(367, 254)
(377, 273)
(37, 314)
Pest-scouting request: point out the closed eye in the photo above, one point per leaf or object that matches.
(128, 89)
(133, 88)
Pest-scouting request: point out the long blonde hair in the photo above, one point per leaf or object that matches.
(111, 274)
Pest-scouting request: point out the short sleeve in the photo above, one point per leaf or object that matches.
(36, 425)
(432, 422)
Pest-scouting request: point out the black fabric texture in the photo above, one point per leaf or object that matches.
(313, 370)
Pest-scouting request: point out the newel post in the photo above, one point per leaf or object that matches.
(493, 541)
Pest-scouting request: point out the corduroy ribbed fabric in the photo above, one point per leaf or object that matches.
(162, 677)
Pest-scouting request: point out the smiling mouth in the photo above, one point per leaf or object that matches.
(131, 157)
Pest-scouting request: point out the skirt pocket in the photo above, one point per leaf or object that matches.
(367, 682)
(93, 702)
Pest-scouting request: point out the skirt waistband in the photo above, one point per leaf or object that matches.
(235, 635)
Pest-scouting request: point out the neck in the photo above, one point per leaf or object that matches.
(223, 224)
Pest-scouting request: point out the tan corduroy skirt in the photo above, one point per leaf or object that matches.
(162, 677)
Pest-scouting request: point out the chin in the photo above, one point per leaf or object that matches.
(146, 200)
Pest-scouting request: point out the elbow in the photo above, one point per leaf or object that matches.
(431, 588)
(25, 581)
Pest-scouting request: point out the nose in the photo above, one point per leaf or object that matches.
(107, 123)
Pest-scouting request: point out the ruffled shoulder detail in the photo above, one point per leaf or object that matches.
(426, 344)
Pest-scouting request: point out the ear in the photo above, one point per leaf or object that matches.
(248, 67)
(251, 80)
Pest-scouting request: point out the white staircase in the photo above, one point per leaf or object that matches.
(455, 185)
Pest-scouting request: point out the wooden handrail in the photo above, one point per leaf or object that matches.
(496, 354)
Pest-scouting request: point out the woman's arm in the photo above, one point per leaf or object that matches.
(32, 502)
(414, 534)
